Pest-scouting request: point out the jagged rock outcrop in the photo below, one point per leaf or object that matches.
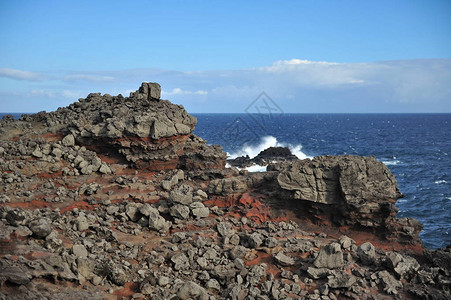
(355, 190)
(142, 129)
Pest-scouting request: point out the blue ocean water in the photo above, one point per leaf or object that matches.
(415, 147)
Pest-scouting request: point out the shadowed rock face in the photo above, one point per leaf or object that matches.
(355, 190)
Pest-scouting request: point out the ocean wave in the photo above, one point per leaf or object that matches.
(392, 162)
(440, 181)
(265, 143)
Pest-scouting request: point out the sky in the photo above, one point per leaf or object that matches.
(218, 56)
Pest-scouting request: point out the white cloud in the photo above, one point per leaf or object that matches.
(40, 93)
(21, 75)
(296, 85)
(88, 77)
(296, 61)
(179, 91)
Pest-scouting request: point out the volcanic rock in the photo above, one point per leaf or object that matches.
(330, 257)
(115, 197)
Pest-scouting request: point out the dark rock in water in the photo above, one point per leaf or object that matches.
(276, 153)
(241, 161)
(269, 155)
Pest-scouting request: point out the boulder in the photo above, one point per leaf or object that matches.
(330, 257)
(367, 253)
(225, 229)
(68, 140)
(40, 227)
(190, 290)
(284, 260)
(147, 91)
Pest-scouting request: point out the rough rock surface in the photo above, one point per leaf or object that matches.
(115, 198)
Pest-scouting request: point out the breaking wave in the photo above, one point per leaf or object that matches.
(265, 143)
(392, 162)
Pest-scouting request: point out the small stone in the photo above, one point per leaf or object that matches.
(330, 257)
(105, 169)
(346, 242)
(163, 281)
(79, 250)
(37, 153)
(132, 212)
(238, 252)
(157, 222)
(201, 212)
(253, 240)
(82, 223)
(181, 262)
(57, 152)
(202, 194)
(317, 273)
(68, 140)
(182, 195)
(213, 284)
(179, 211)
(270, 242)
(367, 253)
(40, 227)
(191, 290)
(340, 279)
(284, 260)
(225, 229)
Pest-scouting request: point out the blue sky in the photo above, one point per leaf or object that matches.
(217, 56)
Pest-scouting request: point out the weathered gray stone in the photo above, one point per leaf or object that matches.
(270, 242)
(182, 194)
(181, 261)
(157, 222)
(346, 242)
(253, 240)
(238, 252)
(179, 211)
(147, 91)
(389, 283)
(191, 290)
(284, 260)
(225, 229)
(402, 265)
(79, 250)
(105, 169)
(340, 279)
(317, 273)
(213, 285)
(68, 140)
(201, 212)
(132, 212)
(329, 257)
(40, 227)
(367, 253)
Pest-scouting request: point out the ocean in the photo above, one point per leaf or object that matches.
(415, 147)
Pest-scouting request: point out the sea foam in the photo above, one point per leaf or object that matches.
(265, 143)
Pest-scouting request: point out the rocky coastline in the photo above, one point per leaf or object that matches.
(114, 197)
